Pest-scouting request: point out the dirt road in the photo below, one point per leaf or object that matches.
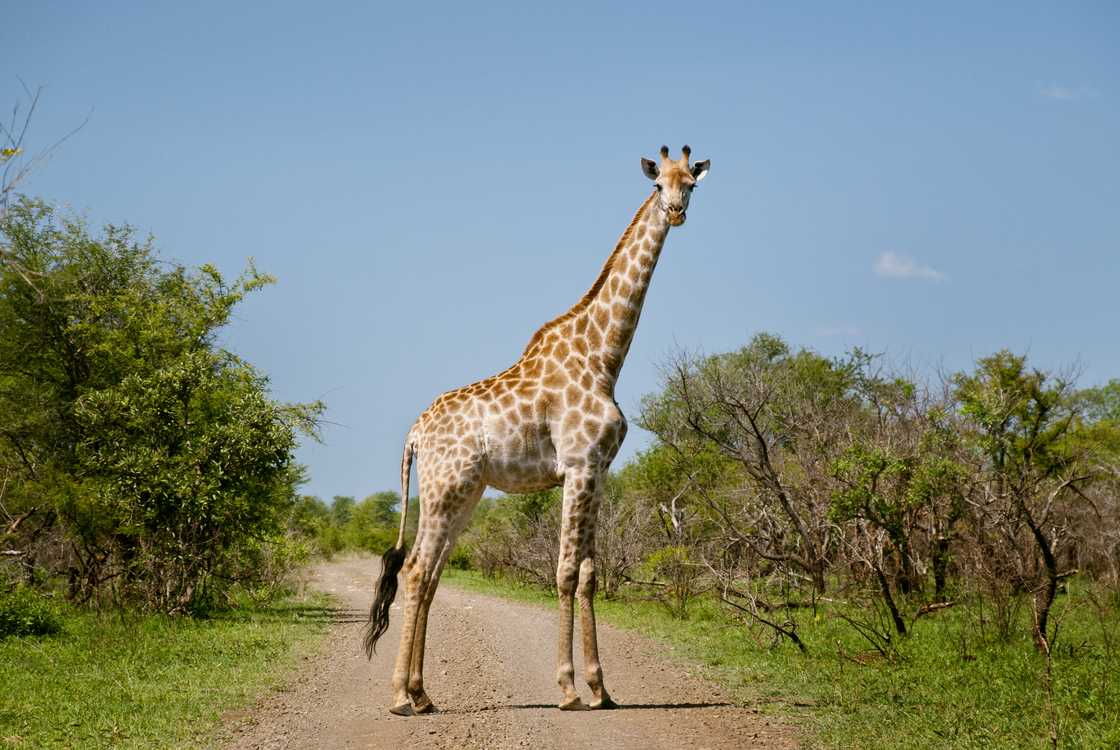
(491, 672)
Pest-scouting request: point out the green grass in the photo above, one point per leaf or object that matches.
(949, 686)
(130, 681)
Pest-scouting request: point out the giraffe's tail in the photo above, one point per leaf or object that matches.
(391, 563)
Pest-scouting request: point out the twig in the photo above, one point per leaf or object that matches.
(867, 632)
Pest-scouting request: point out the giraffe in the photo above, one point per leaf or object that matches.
(550, 419)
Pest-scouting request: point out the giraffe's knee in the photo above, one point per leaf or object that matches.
(565, 674)
(567, 578)
(587, 579)
(419, 580)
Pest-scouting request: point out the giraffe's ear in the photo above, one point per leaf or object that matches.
(700, 169)
(649, 169)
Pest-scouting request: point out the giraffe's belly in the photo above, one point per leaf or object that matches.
(513, 483)
(520, 457)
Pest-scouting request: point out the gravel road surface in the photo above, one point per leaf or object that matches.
(491, 672)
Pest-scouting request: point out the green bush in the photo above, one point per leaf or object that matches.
(674, 567)
(161, 460)
(460, 557)
(369, 525)
(24, 612)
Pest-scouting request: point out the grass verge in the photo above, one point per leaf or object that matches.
(131, 681)
(950, 684)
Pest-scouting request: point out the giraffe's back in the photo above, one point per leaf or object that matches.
(501, 424)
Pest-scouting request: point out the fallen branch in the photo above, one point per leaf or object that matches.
(658, 584)
(787, 632)
(926, 609)
(15, 523)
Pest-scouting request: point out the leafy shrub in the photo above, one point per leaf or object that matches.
(460, 557)
(678, 574)
(164, 467)
(24, 612)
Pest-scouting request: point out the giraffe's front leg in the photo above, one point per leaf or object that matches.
(593, 670)
(577, 539)
(567, 572)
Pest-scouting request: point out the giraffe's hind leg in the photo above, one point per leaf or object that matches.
(422, 576)
(446, 507)
(412, 581)
(421, 703)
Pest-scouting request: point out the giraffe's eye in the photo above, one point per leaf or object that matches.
(657, 187)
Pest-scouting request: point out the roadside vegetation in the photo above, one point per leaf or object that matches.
(148, 491)
(126, 679)
(904, 562)
(141, 465)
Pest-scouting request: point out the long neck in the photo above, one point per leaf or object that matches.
(610, 310)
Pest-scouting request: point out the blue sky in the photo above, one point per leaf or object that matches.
(431, 183)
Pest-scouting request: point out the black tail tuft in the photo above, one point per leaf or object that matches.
(391, 563)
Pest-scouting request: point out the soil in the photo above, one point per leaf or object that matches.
(492, 674)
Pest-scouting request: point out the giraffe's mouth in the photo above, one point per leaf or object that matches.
(676, 219)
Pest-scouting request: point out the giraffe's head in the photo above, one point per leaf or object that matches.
(674, 181)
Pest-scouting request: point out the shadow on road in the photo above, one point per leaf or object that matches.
(621, 707)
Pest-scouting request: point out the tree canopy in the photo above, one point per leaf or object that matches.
(139, 458)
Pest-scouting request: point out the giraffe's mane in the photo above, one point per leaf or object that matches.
(604, 274)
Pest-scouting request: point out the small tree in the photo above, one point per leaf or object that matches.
(518, 535)
(875, 490)
(621, 534)
(1021, 422)
(782, 416)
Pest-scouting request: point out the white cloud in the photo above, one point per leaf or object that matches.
(1061, 93)
(893, 266)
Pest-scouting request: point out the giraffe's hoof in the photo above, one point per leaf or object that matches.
(424, 706)
(573, 704)
(402, 710)
(603, 704)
